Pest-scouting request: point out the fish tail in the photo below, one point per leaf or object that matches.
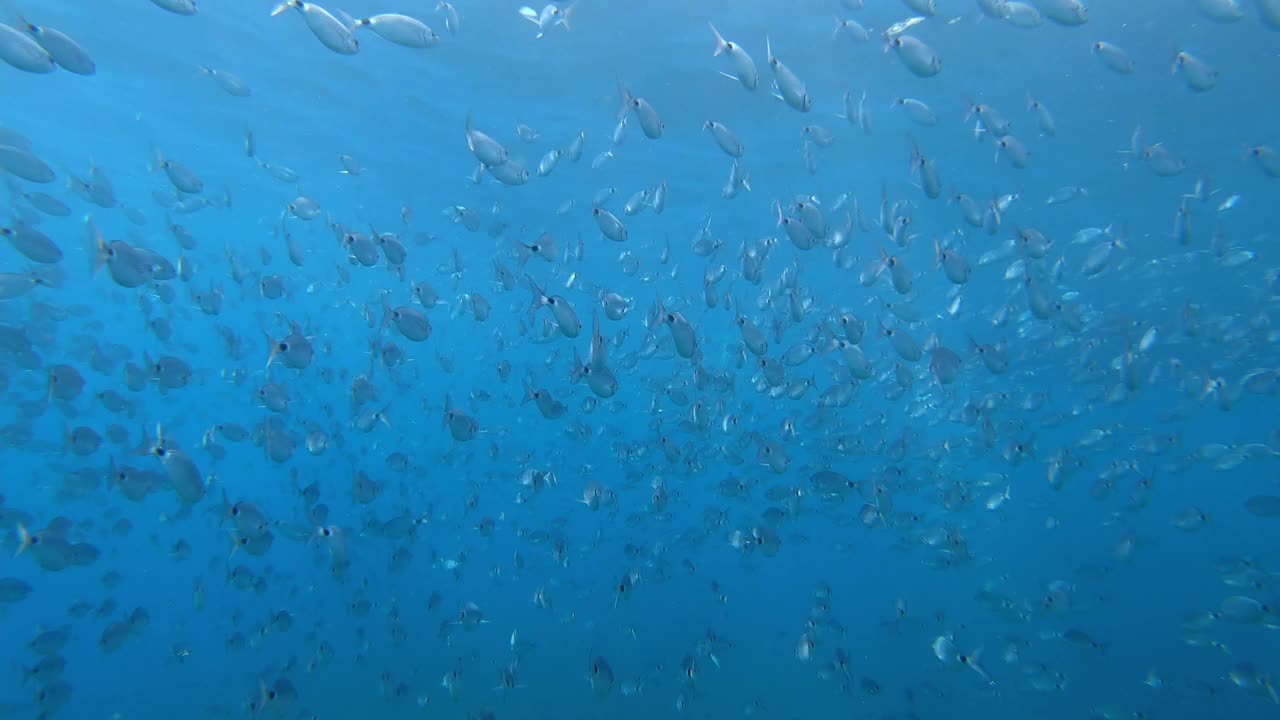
(539, 297)
(625, 97)
(157, 160)
(97, 247)
(577, 373)
(273, 346)
(721, 45)
(226, 508)
(25, 540)
(351, 23)
(387, 312)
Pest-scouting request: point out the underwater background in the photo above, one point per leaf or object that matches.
(912, 360)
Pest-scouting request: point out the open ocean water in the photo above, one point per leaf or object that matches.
(914, 360)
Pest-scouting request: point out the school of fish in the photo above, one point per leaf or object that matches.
(463, 359)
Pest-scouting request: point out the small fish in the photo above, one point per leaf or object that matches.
(725, 138)
(451, 22)
(851, 29)
(915, 55)
(1022, 14)
(66, 52)
(462, 428)
(183, 179)
(550, 16)
(744, 68)
(919, 112)
(399, 29)
(22, 51)
(789, 87)
(600, 676)
(645, 114)
(1070, 13)
(1043, 117)
(488, 151)
(1220, 10)
(1267, 158)
(566, 319)
(178, 7)
(609, 224)
(25, 164)
(1196, 73)
(1113, 57)
(1014, 151)
(329, 30)
(230, 83)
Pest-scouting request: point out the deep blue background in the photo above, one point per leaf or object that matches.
(400, 113)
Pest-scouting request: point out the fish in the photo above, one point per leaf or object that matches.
(333, 33)
(398, 29)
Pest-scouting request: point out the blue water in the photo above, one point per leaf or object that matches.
(1126, 573)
